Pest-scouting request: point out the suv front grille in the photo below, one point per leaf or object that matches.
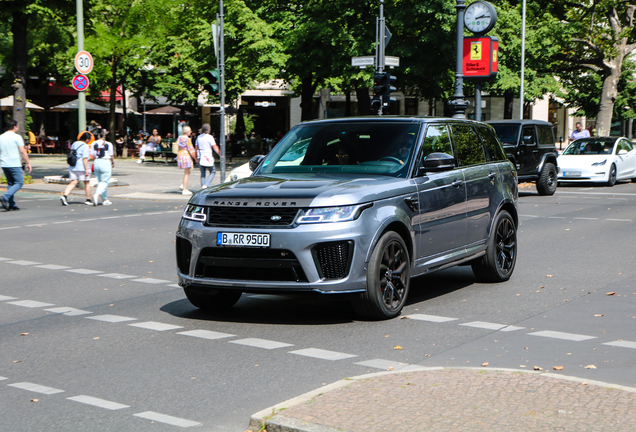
(333, 259)
(250, 216)
(255, 264)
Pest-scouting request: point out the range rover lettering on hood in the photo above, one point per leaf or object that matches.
(242, 202)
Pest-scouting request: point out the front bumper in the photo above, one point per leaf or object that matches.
(592, 174)
(325, 258)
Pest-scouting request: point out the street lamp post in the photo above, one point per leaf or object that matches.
(458, 104)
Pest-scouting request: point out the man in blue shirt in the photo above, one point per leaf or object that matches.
(579, 132)
(12, 151)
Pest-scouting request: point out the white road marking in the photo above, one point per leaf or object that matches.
(110, 217)
(556, 217)
(174, 286)
(36, 225)
(68, 311)
(151, 281)
(152, 325)
(63, 222)
(492, 326)
(596, 193)
(162, 418)
(101, 403)
(206, 334)
(154, 213)
(84, 271)
(12, 227)
(561, 335)
(511, 328)
(622, 344)
(35, 388)
(382, 364)
(322, 354)
(30, 303)
(133, 215)
(23, 263)
(3, 298)
(116, 276)
(619, 220)
(6, 259)
(88, 220)
(530, 216)
(582, 218)
(261, 343)
(53, 267)
(431, 318)
(111, 318)
(3, 378)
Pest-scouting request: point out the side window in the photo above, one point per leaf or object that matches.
(545, 135)
(437, 140)
(492, 147)
(467, 146)
(528, 135)
(626, 145)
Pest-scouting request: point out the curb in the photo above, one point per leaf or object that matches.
(268, 419)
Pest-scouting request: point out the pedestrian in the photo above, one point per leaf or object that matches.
(104, 155)
(12, 151)
(579, 132)
(80, 171)
(185, 157)
(153, 142)
(205, 144)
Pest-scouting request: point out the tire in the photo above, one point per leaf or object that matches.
(501, 255)
(388, 279)
(212, 302)
(611, 179)
(547, 183)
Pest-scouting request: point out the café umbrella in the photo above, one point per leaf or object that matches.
(7, 104)
(74, 105)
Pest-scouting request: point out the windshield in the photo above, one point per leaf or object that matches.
(508, 134)
(589, 147)
(345, 147)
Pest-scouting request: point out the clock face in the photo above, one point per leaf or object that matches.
(480, 17)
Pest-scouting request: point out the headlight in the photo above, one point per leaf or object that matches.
(601, 163)
(332, 214)
(195, 213)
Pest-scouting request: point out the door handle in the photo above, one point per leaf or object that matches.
(492, 175)
(457, 183)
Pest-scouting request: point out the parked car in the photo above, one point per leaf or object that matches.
(531, 147)
(598, 159)
(354, 207)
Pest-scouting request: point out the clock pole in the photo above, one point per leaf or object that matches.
(458, 104)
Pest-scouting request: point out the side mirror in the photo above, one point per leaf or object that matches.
(255, 162)
(622, 152)
(527, 140)
(437, 162)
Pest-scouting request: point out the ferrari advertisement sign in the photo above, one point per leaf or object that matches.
(480, 58)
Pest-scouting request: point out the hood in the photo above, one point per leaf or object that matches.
(303, 190)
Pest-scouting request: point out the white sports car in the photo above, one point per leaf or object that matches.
(598, 159)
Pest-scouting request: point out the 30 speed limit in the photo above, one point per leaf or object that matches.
(84, 62)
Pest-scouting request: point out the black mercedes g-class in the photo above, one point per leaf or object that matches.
(530, 146)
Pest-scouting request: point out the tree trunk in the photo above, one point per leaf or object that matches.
(44, 102)
(306, 99)
(364, 101)
(19, 30)
(348, 103)
(508, 104)
(113, 96)
(608, 97)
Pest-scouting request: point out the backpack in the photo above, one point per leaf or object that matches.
(71, 159)
(99, 151)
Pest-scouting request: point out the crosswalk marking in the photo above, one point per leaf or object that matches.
(23, 263)
(261, 343)
(322, 354)
(430, 318)
(116, 276)
(162, 418)
(491, 326)
(68, 311)
(206, 334)
(84, 271)
(151, 281)
(3, 298)
(30, 303)
(53, 267)
(152, 325)
(622, 344)
(101, 403)
(36, 388)
(111, 318)
(562, 335)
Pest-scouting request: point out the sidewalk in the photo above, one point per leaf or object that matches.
(150, 180)
(444, 399)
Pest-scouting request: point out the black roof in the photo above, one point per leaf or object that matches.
(521, 122)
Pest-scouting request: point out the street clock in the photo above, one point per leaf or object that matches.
(480, 17)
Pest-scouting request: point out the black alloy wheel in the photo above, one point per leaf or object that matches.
(501, 255)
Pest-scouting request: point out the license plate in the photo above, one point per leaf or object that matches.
(242, 239)
(572, 173)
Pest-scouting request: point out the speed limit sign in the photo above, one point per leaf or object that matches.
(84, 62)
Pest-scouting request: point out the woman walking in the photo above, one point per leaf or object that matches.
(185, 157)
(104, 155)
(205, 144)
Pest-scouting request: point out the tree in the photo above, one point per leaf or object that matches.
(601, 37)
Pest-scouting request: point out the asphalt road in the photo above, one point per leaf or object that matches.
(96, 336)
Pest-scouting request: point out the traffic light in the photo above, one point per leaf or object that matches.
(382, 88)
(214, 84)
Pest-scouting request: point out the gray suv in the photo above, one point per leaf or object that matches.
(355, 207)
